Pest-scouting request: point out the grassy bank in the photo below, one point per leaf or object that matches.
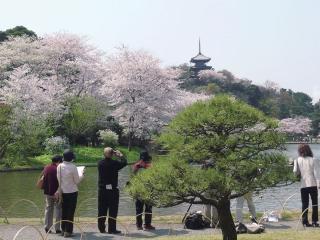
(84, 155)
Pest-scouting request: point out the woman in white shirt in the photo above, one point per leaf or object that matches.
(69, 179)
(307, 168)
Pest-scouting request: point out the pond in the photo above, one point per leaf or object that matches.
(15, 186)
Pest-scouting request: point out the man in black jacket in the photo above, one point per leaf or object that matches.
(108, 193)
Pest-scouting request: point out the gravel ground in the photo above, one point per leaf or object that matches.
(35, 232)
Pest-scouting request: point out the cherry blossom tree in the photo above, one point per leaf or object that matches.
(210, 74)
(69, 59)
(29, 94)
(145, 95)
(74, 63)
(298, 125)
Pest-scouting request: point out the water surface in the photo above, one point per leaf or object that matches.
(15, 186)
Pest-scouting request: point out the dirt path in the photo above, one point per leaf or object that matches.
(8, 232)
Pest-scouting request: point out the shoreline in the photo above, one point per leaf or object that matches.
(37, 168)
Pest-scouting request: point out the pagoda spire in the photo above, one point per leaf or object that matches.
(199, 62)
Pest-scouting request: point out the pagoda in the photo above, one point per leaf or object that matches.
(199, 62)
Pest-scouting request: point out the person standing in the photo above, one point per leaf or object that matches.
(308, 169)
(252, 209)
(69, 179)
(143, 163)
(50, 187)
(108, 192)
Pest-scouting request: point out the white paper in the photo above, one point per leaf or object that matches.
(80, 170)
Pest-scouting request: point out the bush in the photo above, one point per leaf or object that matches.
(108, 138)
(56, 144)
(29, 134)
(5, 129)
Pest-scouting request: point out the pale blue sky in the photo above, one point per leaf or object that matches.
(277, 40)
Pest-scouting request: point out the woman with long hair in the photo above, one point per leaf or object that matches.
(308, 169)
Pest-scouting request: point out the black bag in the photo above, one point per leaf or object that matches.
(252, 228)
(241, 228)
(195, 220)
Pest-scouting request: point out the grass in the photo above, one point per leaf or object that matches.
(84, 155)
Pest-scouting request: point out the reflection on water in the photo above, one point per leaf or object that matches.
(15, 186)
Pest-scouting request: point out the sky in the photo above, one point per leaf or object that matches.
(275, 40)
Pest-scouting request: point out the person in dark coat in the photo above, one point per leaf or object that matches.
(50, 187)
(108, 192)
(143, 163)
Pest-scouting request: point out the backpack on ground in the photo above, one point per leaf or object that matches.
(252, 228)
(195, 220)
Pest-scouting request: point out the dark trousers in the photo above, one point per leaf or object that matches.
(69, 203)
(313, 192)
(147, 214)
(108, 201)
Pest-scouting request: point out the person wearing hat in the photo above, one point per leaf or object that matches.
(143, 163)
(68, 178)
(108, 192)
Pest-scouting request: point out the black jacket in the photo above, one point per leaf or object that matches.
(108, 172)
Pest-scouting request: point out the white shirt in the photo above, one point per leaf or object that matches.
(309, 170)
(69, 178)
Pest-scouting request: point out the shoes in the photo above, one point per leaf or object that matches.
(253, 219)
(307, 224)
(67, 235)
(139, 227)
(114, 232)
(47, 230)
(58, 232)
(149, 227)
(315, 224)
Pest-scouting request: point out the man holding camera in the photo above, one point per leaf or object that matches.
(108, 192)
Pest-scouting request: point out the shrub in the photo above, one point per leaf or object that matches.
(108, 138)
(56, 144)
(29, 134)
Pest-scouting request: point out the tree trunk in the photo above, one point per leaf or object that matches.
(226, 221)
(130, 141)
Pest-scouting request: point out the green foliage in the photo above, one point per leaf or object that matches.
(5, 131)
(316, 119)
(16, 31)
(242, 143)
(89, 155)
(28, 140)
(84, 118)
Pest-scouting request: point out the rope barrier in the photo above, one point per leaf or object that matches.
(28, 201)
(124, 225)
(25, 227)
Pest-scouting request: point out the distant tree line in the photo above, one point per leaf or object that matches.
(271, 99)
(16, 31)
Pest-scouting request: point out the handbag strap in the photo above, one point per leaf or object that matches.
(59, 187)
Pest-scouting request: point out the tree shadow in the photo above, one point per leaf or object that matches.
(135, 234)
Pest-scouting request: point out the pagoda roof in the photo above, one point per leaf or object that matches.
(200, 58)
